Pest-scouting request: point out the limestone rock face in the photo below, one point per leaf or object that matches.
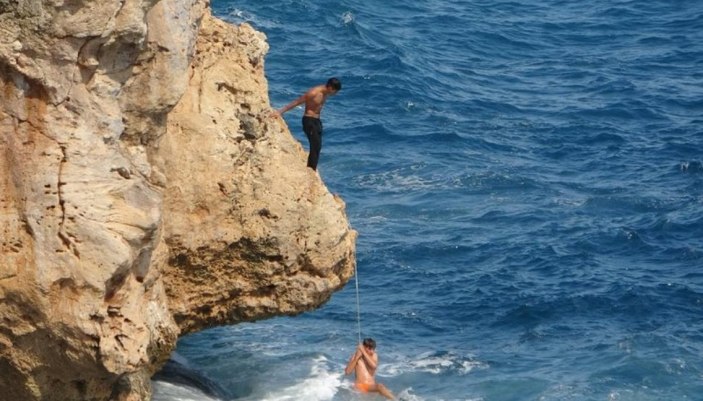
(145, 192)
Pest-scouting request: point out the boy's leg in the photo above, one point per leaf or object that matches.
(315, 140)
(380, 388)
(313, 130)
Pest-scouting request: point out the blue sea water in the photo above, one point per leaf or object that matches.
(526, 178)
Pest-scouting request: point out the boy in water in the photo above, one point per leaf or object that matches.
(364, 363)
(314, 99)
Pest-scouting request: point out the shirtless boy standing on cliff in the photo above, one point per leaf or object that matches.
(314, 99)
(364, 363)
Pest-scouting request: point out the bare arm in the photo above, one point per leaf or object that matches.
(371, 362)
(292, 104)
(352, 363)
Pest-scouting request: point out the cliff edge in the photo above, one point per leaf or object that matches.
(146, 193)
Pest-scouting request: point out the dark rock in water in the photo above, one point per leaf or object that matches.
(177, 373)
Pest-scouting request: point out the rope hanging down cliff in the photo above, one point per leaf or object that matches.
(358, 309)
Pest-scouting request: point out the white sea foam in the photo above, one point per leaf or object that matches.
(396, 180)
(238, 16)
(408, 395)
(348, 18)
(434, 363)
(164, 391)
(322, 385)
(242, 16)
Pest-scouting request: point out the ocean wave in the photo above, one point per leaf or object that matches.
(435, 363)
(322, 384)
(238, 16)
(347, 18)
(402, 179)
(626, 204)
(691, 20)
(638, 306)
(423, 177)
(691, 167)
(165, 391)
(408, 394)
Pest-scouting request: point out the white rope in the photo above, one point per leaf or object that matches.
(358, 308)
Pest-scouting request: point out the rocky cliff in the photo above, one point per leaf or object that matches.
(145, 192)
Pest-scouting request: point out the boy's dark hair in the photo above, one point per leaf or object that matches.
(334, 83)
(369, 342)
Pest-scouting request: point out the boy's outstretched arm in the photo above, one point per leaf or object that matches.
(292, 104)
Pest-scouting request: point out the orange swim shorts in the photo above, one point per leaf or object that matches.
(364, 387)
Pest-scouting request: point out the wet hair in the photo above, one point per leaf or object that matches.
(369, 342)
(335, 84)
